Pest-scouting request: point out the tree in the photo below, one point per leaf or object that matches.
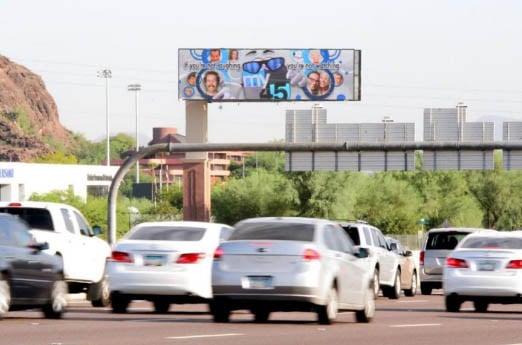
(390, 204)
(260, 194)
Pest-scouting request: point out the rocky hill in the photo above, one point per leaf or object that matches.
(29, 121)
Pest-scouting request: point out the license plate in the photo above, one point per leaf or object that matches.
(153, 260)
(486, 266)
(257, 282)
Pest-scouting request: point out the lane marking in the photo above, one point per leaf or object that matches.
(206, 336)
(417, 325)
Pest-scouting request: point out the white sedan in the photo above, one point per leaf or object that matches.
(165, 263)
(485, 268)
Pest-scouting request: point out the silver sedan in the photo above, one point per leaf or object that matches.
(485, 268)
(291, 264)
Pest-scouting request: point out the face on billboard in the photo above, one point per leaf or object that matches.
(269, 74)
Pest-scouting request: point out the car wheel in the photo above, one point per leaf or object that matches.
(366, 315)
(161, 306)
(453, 303)
(119, 303)
(426, 289)
(56, 306)
(394, 292)
(100, 293)
(261, 314)
(376, 283)
(480, 306)
(412, 291)
(220, 312)
(326, 314)
(5, 296)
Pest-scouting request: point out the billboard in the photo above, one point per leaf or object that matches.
(218, 74)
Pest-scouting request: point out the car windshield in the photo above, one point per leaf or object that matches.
(492, 243)
(274, 231)
(444, 240)
(166, 233)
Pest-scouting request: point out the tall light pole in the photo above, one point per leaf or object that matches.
(107, 74)
(136, 88)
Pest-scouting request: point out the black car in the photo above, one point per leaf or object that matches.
(29, 278)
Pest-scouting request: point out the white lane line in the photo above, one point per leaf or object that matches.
(206, 336)
(417, 325)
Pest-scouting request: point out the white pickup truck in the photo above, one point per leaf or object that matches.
(69, 236)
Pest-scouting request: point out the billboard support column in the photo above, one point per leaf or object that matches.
(196, 169)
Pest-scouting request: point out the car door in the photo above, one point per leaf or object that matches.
(387, 259)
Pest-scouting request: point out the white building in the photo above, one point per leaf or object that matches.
(18, 181)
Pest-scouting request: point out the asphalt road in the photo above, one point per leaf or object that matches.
(409, 320)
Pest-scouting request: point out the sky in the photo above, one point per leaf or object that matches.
(416, 54)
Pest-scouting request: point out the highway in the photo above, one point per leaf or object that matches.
(407, 321)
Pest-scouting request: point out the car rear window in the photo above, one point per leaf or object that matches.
(444, 240)
(164, 233)
(492, 243)
(36, 218)
(274, 231)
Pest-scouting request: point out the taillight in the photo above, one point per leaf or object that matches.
(190, 258)
(456, 263)
(421, 257)
(218, 253)
(516, 264)
(121, 257)
(311, 254)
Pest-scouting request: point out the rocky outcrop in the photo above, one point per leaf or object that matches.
(29, 121)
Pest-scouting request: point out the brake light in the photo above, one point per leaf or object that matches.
(121, 257)
(15, 204)
(515, 264)
(311, 254)
(421, 257)
(218, 253)
(456, 263)
(190, 258)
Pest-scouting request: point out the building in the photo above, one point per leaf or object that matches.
(167, 167)
(18, 181)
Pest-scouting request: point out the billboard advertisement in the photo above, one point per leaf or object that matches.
(257, 75)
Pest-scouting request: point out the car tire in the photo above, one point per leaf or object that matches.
(453, 303)
(261, 314)
(220, 312)
(412, 291)
(376, 283)
(394, 292)
(326, 314)
(480, 306)
(119, 303)
(161, 306)
(366, 315)
(100, 294)
(426, 289)
(5, 296)
(58, 302)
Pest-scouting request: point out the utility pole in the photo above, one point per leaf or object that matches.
(136, 88)
(107, 74)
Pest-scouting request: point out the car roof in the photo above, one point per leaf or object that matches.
(304, 220)
(495, 233)
(182, 223)
(34, 204)
(457, 229)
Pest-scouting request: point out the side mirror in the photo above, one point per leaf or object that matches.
(39, 246)
(362, 253)
(408, 253)
(97, 230)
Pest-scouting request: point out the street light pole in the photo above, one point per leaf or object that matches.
(107, 74)
(136, 88)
